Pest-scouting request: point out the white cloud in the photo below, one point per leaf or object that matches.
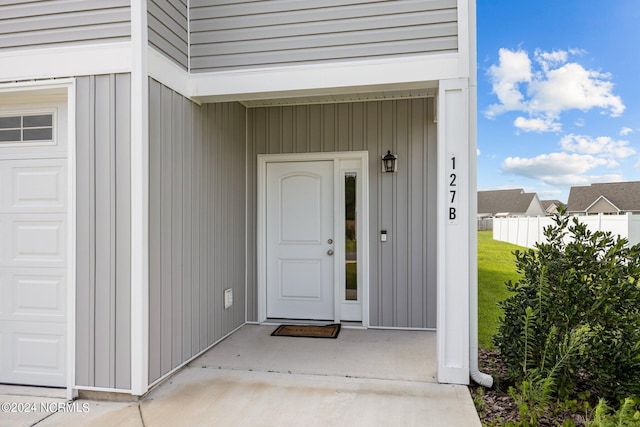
(547, 87)
(561, 169)
(550, 59)
(625, 131)
(579, 122)
(539, 124)
(603, 146)
(513, 69)
(573, 87)
(477, 151)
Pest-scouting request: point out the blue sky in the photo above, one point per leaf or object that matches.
(558, 94)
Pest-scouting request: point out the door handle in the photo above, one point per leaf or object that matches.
(330, 252)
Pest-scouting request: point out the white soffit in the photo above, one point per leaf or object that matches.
(344, 97)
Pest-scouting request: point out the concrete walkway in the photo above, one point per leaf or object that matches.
(363, 378)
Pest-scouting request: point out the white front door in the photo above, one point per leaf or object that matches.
(33, 245)
(300, 240)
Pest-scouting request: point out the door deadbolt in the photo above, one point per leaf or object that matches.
(330, 252)
(330, 241)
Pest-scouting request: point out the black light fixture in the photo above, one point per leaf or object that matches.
(389, 162)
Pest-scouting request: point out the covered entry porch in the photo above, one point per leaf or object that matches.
(209, 236)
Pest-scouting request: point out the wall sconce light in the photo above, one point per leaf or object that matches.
(389, 162)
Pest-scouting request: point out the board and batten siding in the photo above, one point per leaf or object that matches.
(196, 225)
(103, 239)
(403, 269)
(168, 29)
(236, 34)
(53, 22)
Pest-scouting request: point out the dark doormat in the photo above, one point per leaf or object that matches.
(307, 331)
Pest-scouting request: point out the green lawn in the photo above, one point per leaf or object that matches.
(496, 265)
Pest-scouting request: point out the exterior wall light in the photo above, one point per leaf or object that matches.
(389, 162)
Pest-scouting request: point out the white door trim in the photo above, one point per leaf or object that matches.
(263, 159)
(65, 90)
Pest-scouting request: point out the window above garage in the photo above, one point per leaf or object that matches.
(26, 128)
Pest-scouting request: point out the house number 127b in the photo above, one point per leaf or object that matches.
(453, 190)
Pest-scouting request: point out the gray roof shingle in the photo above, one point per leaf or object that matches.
(514, 201)
(547, 203)
(624, 195)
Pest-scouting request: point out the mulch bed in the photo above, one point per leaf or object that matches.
(495, 406)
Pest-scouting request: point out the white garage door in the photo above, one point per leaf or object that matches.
(33, 245)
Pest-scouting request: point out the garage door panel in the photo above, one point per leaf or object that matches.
(38, 241)
(37, 187)
(35, 353)
(38, 297)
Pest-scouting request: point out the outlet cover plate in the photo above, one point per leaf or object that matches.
(228, 298)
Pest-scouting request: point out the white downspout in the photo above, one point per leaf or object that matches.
(481, 378)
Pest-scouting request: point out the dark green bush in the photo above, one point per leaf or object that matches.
(578, 279)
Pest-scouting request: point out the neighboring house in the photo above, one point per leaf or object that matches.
(606, 198)
(503, 203)
(551, 206)
(160, 158)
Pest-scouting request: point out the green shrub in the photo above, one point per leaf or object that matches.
(627, 416)
(578, 279)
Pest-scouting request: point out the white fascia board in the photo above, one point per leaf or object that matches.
(339, 77)
(167, 72)
(66, 61)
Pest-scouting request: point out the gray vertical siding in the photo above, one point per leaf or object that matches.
(168, 29)
(196, 225)
(403, 270)
(238, 34)
(103, 306)
(55, 22)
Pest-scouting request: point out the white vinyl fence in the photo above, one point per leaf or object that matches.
(527, 231)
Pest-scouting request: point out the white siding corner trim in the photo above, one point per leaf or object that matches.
(454, 227)
(139, 202)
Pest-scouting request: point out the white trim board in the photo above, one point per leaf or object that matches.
(321, 79)
(52, 62)
(263, 159)
(139, 202)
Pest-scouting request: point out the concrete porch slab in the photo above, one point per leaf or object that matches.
(218, 397)
(359, 353)
(363, 378)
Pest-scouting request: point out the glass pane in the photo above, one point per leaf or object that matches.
(45, 134)
(9, 135)
(351, 244)
(43, 120)
(10, 122)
